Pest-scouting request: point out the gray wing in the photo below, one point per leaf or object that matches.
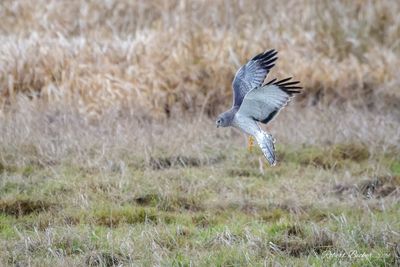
(252, 75)
(263, 103)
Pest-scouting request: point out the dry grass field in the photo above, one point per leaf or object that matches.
(109, 155)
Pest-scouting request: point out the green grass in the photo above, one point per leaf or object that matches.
(225, 213)
(395, 167)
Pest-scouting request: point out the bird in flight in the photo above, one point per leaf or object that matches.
(255, 102)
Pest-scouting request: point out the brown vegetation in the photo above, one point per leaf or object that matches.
(157, 58)
(109, 154)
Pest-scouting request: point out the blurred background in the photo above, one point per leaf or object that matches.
(107, 120)
(161, 57)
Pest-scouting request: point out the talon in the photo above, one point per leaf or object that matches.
(250, 144)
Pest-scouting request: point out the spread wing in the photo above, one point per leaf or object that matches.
(252, 75)
(263, 103)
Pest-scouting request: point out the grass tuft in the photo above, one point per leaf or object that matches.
(113, 216)
(20, 206)
(318, 243)
(104, 259)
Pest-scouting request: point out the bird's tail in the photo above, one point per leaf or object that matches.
(266, 143)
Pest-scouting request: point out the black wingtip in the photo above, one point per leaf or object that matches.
(283, 80)
(268, 61)
(286, 86)
(270, 52)
(258, 56)
(266, 55)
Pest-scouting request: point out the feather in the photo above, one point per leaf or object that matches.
(252, 75)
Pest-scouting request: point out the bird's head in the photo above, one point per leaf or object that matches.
(223, 120)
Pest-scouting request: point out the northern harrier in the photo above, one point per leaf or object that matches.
(254, 102)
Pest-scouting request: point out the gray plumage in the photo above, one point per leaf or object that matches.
(254, 102)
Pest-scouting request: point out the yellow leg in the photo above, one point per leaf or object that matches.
(250, 144)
